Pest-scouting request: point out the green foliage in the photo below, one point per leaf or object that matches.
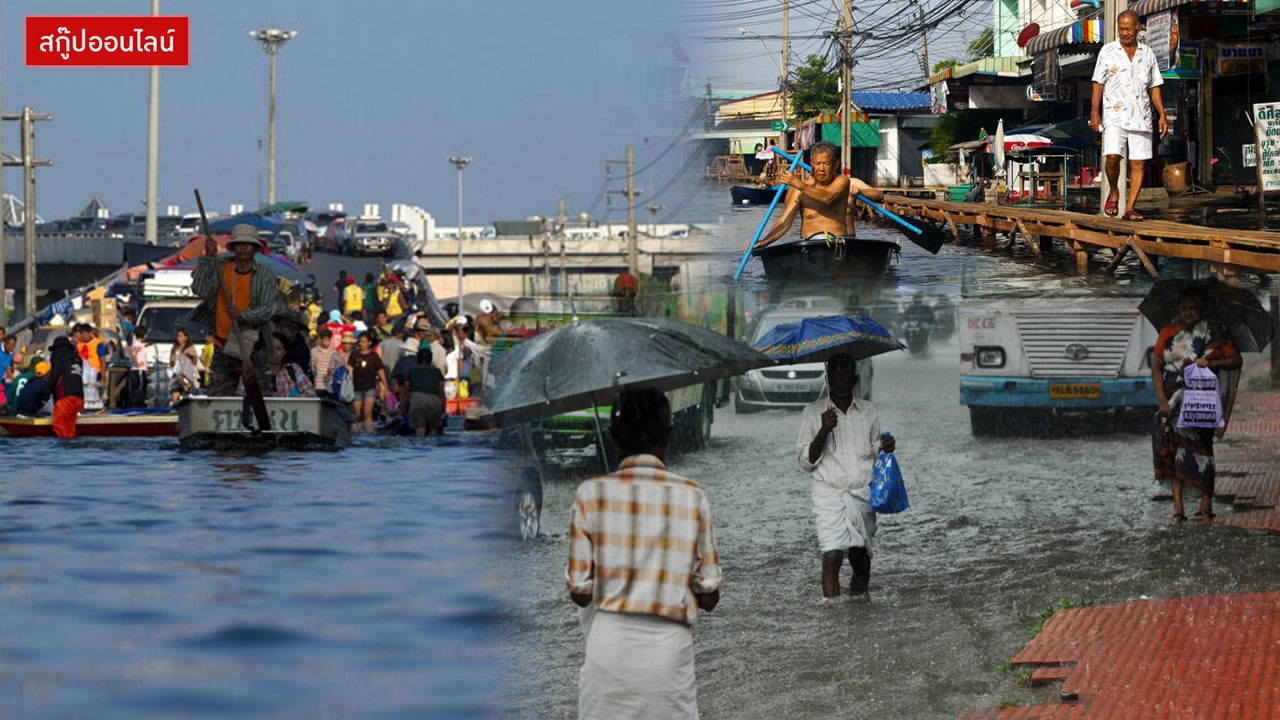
(983, 47)
(1008, 703)
(815, 90)
(944, 64)
(961, 125)
(1063, 604)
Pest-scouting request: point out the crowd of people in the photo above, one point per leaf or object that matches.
(379, 351)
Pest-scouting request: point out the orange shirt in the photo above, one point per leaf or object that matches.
(238, 284)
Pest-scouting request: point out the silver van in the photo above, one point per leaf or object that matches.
(790, 386)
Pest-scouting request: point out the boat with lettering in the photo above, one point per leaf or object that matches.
(826, 257)
(109, 424)
(228, 423)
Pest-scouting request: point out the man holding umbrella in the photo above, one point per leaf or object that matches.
(837, 444)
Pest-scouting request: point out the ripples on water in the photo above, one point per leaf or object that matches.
(143, 582)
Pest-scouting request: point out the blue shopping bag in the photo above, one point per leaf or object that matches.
(888, 494)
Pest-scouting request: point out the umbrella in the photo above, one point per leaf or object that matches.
(581, 364)
(818, 339)
(997, 146)
(259, 222)
(1236, 308)
(1077, 128)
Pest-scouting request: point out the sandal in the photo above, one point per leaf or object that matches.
(1134, 216)
(1203, 515)
(1111, 207)
(1177, 518)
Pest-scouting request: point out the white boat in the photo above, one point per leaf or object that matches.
(228, 423)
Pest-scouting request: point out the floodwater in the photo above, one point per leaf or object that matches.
(138, 581)
(1000, 530)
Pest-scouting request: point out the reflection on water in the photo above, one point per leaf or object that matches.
(139, 581)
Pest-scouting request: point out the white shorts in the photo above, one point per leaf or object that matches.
(1116, 139)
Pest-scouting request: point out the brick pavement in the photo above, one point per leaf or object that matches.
(1199, 657)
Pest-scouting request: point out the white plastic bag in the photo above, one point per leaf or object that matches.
(1201, 403)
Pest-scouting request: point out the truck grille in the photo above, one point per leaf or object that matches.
(1104, 335)
(800, 374)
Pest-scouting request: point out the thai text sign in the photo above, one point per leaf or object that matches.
(1266, 117)
(1162, 36)
(98, 40)
(1242, 58)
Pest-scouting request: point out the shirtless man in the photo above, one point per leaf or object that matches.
(825, 197)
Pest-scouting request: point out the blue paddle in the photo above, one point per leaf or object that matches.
(746, 257)
(926, 236)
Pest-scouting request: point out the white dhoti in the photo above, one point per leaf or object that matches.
(637, 667)
(843, 517)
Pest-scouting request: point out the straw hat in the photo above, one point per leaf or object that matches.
(244, 233)
(348, 337)
(423, 325)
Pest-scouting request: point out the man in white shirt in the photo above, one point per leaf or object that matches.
(837, 444)
(1126, 83)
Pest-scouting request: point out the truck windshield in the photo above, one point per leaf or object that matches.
(163, 322)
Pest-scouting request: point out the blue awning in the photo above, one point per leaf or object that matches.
(867, 100)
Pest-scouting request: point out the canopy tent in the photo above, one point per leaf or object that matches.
(292, 206)
(260, 222)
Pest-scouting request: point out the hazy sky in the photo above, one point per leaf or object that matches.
(372, 96)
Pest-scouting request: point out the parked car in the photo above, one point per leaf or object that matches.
(791, 386)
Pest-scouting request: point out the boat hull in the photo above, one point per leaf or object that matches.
(817, 259)
(216, 423)
(746, 195)
(105, 425)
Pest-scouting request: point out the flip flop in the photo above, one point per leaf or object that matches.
(1111, 207)
(1201, 516)
(1134, 216)
(1177, 518)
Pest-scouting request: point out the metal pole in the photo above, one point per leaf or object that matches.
(4, 234)
(29, 210)
(786, 52)
(633, 253)
(153, 144)
(271, 136)
(924, 42)
(460, 162)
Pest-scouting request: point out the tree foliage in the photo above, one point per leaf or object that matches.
(983, 47)
(816, 88)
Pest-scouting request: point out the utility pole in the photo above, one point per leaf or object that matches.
(924, 42)
(153, 143)
(786, 53)
(632, 192)
(4, 234)
(27, 119)
(846, 78)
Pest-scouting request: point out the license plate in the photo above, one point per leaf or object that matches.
(1075, 391)
(792, 387)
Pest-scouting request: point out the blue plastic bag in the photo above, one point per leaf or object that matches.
(888, 494)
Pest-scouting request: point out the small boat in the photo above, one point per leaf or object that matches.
(824, 258)
(217, 423)
(110, 424)
(746, 195)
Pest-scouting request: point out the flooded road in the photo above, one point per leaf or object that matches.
(999, 530)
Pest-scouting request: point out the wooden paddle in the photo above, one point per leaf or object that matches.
(746, 257)
(927, 236)
(252, 388)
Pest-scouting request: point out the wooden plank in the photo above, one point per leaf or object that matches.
(1132, 242)
(955, 234)
(1115, 261)
(1034, 242)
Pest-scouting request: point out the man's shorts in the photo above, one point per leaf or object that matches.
(1116, 139)
(425, 410)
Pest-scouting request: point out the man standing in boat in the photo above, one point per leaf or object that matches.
(252, 289)
(823, 200)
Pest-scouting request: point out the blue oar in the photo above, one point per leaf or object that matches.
(746, 257)
(924, 235)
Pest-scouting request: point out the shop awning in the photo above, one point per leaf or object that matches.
(1146, 7)
(1077, 33)
(1004, 66)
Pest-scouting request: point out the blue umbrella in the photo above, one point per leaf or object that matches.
(818, 339)
(224, 225)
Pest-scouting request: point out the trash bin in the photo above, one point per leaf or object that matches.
(956, 193)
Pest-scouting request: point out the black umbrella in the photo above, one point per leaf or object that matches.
(1236, 308)
(582, 364)
(1074, 128)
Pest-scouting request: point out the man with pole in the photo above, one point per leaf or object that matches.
(822, 201)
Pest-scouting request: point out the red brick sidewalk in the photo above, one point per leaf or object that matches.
(1202, 657)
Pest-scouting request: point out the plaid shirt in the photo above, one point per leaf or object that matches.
(641, 542)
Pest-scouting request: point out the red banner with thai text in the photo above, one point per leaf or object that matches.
(107, 40)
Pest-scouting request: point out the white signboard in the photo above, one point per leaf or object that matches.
(1267, 118)
(1163, 39)
(1250, 153)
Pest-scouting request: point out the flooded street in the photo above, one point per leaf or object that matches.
(999, 530)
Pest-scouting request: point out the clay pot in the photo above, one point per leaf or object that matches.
(1177, 177)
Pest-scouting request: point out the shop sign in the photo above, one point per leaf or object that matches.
(1189, 62)
(1242, 58)
(1162, 36)
(1266, 118)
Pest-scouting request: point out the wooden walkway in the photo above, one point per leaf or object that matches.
(1236, 251)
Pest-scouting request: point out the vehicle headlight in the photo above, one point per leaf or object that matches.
(989, 357)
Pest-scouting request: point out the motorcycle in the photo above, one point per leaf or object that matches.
(915, 332)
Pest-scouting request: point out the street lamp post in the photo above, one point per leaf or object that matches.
(272, 40)
(460, 162)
